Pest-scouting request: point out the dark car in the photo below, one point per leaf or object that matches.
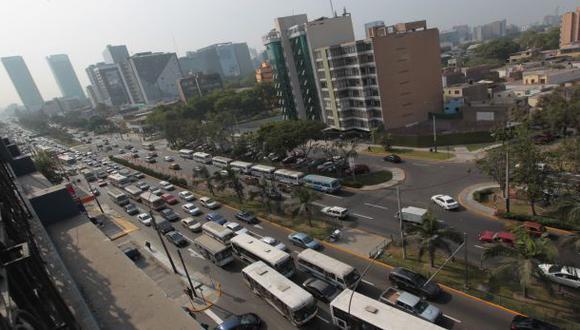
(215, 217)
(164, 226)
(176, 238)
(246, 216)
(392, 158)
(320, 289)
(413, 282)
(131, 209)
(249, 321)
(521, 322)
(169, 215)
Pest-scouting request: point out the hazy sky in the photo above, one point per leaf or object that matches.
(82, 28)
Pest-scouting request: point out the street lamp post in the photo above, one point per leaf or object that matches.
(162, 242)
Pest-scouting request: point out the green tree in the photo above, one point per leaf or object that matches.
(569, 154)
(208, 179)
(283, 136)
(387, 141)
(497, 49)
(431, 236)
(232, 181)
(560, 110)
(520, 261)
(493, 165)
(301, 203)
(47, 164)
(568, 208)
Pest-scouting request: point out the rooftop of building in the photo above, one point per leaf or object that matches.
(547, 71)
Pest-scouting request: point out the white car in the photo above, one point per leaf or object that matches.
(223, 173)
(191, 224)
(166, 185)
(186, 196)
(445, 201)
(565, 275)
(335, 211)
(168, 158)
(209, 203)
(236, 228)
(191, 209)
(274, 242)
(145, 219)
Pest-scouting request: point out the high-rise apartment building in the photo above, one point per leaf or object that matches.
(227, 59)
(392, 78)
(570, 28)
(108, 85)
(290, 48)
(65, 76)
(120, 55)
(23, 82)
(490, 30)
(157, 75)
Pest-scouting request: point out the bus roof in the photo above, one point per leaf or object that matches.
(220, 158)
(117, 177)
(115, 192)
(185, 151)
(240, 163)
(319, 178)
(379, 314)
(260, 249)
(133, 190)
(326, 262)
(216, 227)
(282, 288)
(149, 196)
(210, 243)
(284, 171)
(201, 154)
(264, 168)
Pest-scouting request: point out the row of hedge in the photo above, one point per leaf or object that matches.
(546, 221)
(165, 177)
(443, 139)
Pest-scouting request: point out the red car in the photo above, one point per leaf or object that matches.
(488, 236)
(169, 199)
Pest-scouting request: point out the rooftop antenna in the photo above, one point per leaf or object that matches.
(174, 43)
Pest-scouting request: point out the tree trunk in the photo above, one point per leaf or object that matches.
(533, 206)
(431, 260)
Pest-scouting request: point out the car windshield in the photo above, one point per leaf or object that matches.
(555, 268)
(307, 239)
(421, 307)
(449, 200)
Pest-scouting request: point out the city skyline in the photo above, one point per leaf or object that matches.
(173, 31)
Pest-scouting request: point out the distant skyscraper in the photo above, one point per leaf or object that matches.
(120, 55)
(228, 59)
(570, 28)
(157, 74)
(23, 82)
(490, 30)
(108, 85)
(65, 76)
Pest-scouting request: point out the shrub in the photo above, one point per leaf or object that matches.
(546, 221)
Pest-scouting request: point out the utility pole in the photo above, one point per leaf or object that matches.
(401, 224)
(434, 135)
(466, 284)
(187, 274)
(507, 181)
(95, 196)
(162, 242)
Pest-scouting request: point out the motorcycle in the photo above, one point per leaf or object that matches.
(335, 236)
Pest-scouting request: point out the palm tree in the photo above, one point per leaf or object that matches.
(302, 199)
(431, 236)
(208, 179)
(522, 259)
(231, 180)
(568, 207)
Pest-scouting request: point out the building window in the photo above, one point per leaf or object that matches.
(456, 92)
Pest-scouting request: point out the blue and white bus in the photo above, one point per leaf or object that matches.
(321, 183)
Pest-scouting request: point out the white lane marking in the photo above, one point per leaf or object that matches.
(194, 253)
(452, 318)
(322, 319)
(213, 316)
(479, 247)
(362, 216)
(334, 196)
(259, 227)
(377, 206)
(367, 282)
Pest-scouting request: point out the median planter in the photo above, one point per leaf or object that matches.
(546, 221)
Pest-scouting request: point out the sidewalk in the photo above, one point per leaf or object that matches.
(398, 177)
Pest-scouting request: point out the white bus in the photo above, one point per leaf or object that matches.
(288, 298)
(368, 313)
(264, 171)
(288, 176)
(322, 183)
(221, 162)
(213, 250)
(251, 249)
(134, 192)
(186, 153)
(217, 232)
(202, 157)
(327, 268)
(119, 197)
(118, 180)
(152, 201)
(240, 166)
